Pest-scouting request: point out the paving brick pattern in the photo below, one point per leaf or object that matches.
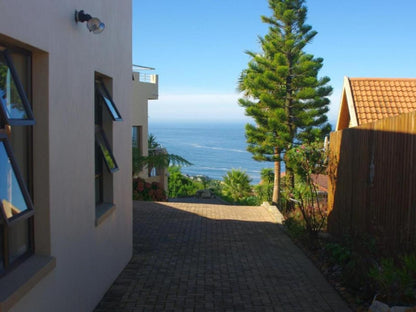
(210, 257)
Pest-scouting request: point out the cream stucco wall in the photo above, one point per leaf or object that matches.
(65, 59)
(142, 93)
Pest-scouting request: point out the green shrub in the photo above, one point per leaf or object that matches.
(180, 185)
(395, 281)
(295, 228)
(305, 161)
(264, 190)
(250, 201)
(338, 254)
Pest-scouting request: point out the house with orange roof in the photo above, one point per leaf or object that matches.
(366, 100)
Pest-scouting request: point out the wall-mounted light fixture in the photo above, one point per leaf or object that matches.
(93, 23)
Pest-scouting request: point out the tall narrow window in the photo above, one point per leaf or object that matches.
(105, 112)
(16, 117)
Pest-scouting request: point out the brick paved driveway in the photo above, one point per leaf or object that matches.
(201, 257)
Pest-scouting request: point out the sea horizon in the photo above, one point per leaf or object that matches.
(214, 147)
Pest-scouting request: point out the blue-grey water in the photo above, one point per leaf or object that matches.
(213, 148)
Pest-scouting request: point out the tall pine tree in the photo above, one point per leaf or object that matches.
(282, 91)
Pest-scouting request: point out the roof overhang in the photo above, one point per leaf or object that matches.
(347, 116)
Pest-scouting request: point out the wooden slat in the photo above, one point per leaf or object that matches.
(372, 182)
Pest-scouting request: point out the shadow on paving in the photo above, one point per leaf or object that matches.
(201, 257)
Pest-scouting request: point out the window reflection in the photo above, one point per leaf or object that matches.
(108, 102)
(105, 151)
(1, 247)
(12, 98)
(11, 194)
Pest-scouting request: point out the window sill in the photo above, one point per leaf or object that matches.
(102, 212)
(17, 283)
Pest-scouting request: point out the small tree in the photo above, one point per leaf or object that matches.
(236, 185)
(306, 161)
(282, 91)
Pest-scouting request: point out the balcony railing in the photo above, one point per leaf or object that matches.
(144, 75)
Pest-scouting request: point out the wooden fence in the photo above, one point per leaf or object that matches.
(372, 182)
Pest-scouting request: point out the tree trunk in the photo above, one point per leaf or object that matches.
(290, 176)
(289, 185)
(276, 185)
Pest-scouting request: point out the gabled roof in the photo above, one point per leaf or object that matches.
(366, 100)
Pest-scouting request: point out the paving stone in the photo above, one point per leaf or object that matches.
(206, 256)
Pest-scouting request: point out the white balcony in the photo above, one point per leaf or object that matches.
(143, 74)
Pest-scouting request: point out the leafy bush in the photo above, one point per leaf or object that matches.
(305, 161)
(250, 201)
(180, 185)
(395, 281)
(338, 254)
(143, 190)
(264, 190)
(294, 227)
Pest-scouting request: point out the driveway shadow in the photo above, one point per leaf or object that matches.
(201, 257)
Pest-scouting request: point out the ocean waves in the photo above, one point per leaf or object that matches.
(215, 148)
(213, 151)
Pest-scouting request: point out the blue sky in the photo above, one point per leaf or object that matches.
(197, 48)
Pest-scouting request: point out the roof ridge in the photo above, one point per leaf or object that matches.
(378, 78)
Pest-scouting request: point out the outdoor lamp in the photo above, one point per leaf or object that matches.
(93, 23)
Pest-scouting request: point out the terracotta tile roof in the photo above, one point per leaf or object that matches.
(320, 179)
(379, 98)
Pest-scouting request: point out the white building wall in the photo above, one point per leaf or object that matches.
(65, 59)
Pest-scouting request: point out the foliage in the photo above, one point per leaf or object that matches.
(351, 258)
(264, 190)
(305, 161)
(236, 185)
(395, 281)
(338, 254)
(282, 91)
(143, 190)
(295, 228)
(215, 186)
(180, 185)
(157, 157)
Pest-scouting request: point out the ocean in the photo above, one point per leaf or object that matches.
(212, 148)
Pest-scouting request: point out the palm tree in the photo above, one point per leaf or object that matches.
(157, 158)
(236, 184)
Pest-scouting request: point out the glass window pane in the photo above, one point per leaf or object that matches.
(1, 246)
(13, 200)
(18, 239)
(20, 142)
(136, 140)
(13, 100)
(108, 101)
(135, 135)
(105, 150)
